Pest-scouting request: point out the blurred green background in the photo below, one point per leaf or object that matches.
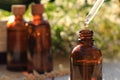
(67, 18)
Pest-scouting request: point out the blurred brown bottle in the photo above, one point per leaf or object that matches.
(39, 41)
(86, 59)
(17, 41)
(3, 42)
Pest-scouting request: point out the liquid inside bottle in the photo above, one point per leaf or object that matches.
(85, 60)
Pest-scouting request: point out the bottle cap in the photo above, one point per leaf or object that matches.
(37, 9)
(18, 9)
(86, 34)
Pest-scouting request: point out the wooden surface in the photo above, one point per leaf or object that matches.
(111, 71)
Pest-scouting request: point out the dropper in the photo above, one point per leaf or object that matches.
(93, 11)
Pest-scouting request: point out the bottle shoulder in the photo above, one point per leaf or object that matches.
(39, 22)
(81, 53)
(81, 49)
(16, 24)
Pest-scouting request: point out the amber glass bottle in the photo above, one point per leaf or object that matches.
(39, 41)
(3, 37)
(17, 41)
(86, 59)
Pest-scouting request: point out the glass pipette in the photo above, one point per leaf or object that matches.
(93, 11)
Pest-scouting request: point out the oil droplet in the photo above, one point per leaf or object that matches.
(86, 25)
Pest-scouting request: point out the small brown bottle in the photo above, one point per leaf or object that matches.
(39, 42)
(17, 41)
(3, 42)
(86, 59)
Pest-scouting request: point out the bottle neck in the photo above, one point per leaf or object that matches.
(86, 43)
(37, 19)
(86, 38)
(18, 18)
